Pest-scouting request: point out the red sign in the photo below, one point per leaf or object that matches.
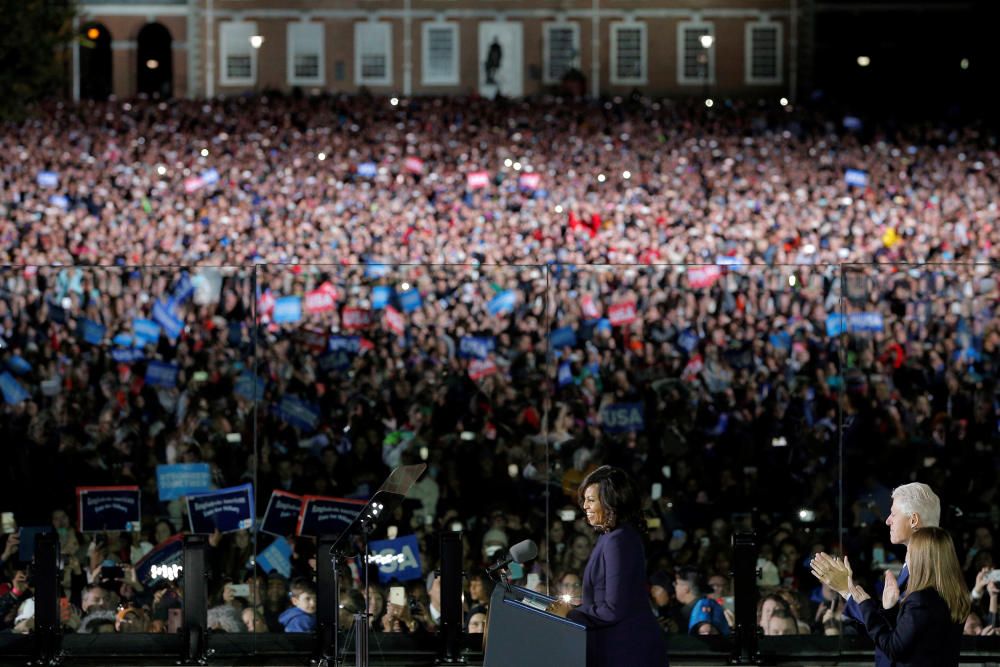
(530, 181)
(321, 299)
(477, 179)
(481, 368)
(703, 276)
(591, 310)
(413, 165)
(314, 339)
(622, 313)
(394, 321)
(355, 318)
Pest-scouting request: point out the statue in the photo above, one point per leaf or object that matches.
(493, 58)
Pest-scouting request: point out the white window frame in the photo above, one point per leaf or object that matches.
(748, 76)
(234, 40)
(298, 36)
(427, 77)
(682, 28)
(546, 47)
(643, 77)
(360, 27)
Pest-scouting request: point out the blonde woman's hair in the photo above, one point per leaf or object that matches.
(934, 564)
(917, 498)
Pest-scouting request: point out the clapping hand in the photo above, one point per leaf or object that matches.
(856, 591)
(890, 594)
(831, 571)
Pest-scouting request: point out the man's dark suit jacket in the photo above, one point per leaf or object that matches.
(923, 634)
(615, 608)
(852, 610)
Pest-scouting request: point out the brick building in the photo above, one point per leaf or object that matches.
(194, 48)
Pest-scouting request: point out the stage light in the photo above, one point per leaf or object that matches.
(783, 101)
(864, 61)
(93, 33)
(709, 103)
(394, 101)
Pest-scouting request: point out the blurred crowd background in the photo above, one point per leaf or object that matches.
(769, 316)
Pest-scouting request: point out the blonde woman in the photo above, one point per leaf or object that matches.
(927, 630)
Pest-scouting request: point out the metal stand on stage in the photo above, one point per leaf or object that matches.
(354, 541)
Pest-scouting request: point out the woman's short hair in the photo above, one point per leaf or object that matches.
(917, 498)
(934, 564)
(618, 495)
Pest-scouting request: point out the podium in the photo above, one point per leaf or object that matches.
(520, 632)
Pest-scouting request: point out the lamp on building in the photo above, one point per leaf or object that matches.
(706, 41)
(256, 41)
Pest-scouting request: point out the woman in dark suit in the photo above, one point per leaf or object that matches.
(927, 629)
(615, 606)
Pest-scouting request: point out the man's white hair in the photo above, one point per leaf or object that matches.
(917, 498)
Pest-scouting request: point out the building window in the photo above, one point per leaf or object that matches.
(373, 53)
(763, 62)
(562, 50)
(305, 54)
(239, 59)
(439, 59)
(695, 63)
(628, 53)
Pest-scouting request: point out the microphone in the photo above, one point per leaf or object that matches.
(521, 552)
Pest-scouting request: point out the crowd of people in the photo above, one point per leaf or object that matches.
(743, 307)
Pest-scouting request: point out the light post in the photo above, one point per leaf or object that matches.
(256, 41)
(704, 58)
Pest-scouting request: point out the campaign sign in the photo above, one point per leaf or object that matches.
(502, 303)
(19, 365)
(413, 165)
(409, 300)
(180, 479)
(102, 508)
(184, 289)
(397, 559)
(393, 320)
(327, 516)
(866, 322)
(225, 510)
(282, 514)
(622, 417)
(296, 412)
(355, 318)
(376, 270)
(856, 178)
(380, 296)
(210, 177)
(477, 179)
(91, 331)
(321, 300)
(127, 355)
(476, 347)
(367, 169)
(165, 314)
(47, 179)
(565, 374)
(562, 337)
(529, 181)
(277, 556)
(703, 276)
(161, 559)
(591, 310)
(312, 339)
(145, 332)
(161, 374)
(13, 392)
(287, 309)
(620, 314)
(250, 387)
(479, 369)
(348, 344)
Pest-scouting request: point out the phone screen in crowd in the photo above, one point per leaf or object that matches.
(397, 595)
(8, 523)
(567, 515)
(656, 491)
(240, 590)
